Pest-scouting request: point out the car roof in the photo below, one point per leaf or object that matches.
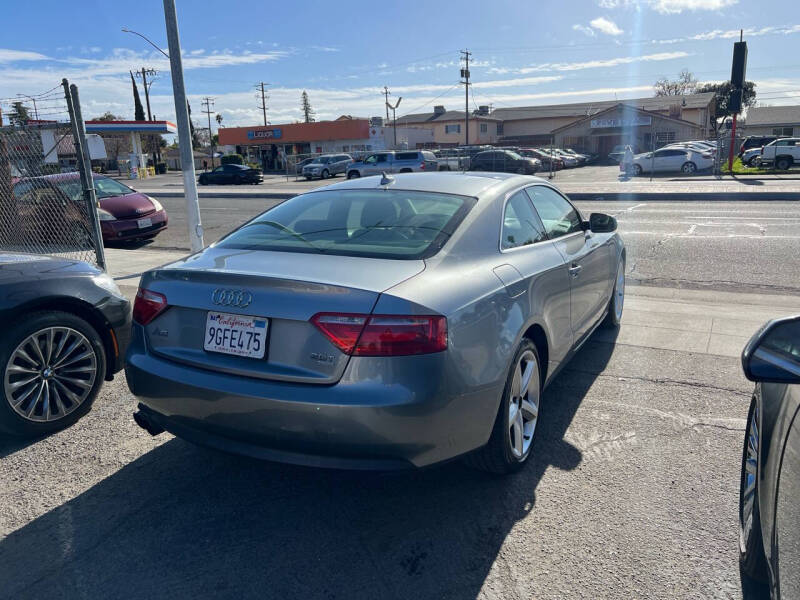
(471, 183)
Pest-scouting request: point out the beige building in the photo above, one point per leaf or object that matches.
(773, 120)
(448, 126)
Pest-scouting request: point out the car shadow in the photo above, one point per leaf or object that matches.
(185, 522)
(9, 445)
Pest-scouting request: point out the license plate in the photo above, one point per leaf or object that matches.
(143, 223)
(239, 335)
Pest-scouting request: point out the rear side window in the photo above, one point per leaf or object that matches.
(558, 215)
(521, 224)
(370, 223)
(406, 156)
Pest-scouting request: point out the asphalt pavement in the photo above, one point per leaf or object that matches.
(631, 492)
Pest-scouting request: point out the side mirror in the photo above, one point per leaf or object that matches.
(602, 223)
(773, 353)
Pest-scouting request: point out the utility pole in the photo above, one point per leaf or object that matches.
(386, 99)
(144, 73)
(32, 99)
(465, 54)
(209, 104)
(184, 131)
(394, 117)
(263, 100)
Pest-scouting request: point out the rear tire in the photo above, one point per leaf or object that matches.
(507, 452)
(82, 380)
(783, 164)
(325, 174)
(752, 561)
(754, 162)
(689, 167)
(353, 175)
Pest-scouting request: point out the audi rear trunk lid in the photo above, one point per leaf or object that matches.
(284, 288)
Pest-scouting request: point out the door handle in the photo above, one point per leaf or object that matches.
(575, 270)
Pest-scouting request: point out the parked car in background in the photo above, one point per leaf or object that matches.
(769, 489)
(410, 161)
(752, 157)
(233, 174)
(65, 330)
(755, 141)
(451, 159)
(350, 326)
(327, 165)
(783, 153)
(505, 161)
(549, 162)
(124, 213)
(618, 152)
(298, 168)
(672, 160)
(581, 158)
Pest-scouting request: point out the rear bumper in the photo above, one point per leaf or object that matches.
(405, 418)
(128, 229)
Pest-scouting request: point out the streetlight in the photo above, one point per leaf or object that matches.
(146, 39)
(32, 99)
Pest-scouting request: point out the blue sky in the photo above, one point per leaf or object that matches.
(343, 53)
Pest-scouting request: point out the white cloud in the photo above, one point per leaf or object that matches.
(678, 6)
(595, 93)
(594, 64)
(196, 52)
(326, 48)
(583, 29)
(7, 55)
(606, 26)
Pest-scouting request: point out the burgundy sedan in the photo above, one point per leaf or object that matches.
(124, 213)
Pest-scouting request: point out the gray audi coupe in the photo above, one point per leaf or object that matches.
(377, 323)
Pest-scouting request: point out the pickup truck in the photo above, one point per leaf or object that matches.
(783, 153)
(451, 160)
(391, 161)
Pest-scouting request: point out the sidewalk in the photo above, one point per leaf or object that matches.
(702, 322)
(676, 189)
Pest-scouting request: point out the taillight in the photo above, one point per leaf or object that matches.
(383, 335)
(422, 166)
(148, 305)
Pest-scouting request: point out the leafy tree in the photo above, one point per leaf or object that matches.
(219, 119)
(108, 116)
(138, 110)
(684, 84)
(305, 106)
(723, 94)
(19, 114)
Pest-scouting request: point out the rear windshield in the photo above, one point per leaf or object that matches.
(406, 156)
(369, 223)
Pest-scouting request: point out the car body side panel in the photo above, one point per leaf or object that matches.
(775, 414)
(786, 539)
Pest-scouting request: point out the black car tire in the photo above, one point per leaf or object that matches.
(689, 168)
(325, 174)
(496, 457)
(754, 160)
(202, 181)
(783, 164)
(752, 561)
(353, 174)
(15, 424)
(612, 321)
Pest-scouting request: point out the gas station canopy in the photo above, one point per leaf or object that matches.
(130, 126)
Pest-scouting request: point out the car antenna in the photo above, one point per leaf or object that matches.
(386, 179)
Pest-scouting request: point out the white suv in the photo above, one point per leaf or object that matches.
(783, 153)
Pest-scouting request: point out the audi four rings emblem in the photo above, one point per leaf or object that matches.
(237, 298)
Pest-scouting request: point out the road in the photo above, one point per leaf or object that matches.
(744, 246)
(631, 493)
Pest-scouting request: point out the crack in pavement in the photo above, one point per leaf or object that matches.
(661, 380)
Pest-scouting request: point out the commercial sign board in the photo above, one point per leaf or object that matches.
(636, 121)
(264, 134)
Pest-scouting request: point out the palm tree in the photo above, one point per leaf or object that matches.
(219, 119)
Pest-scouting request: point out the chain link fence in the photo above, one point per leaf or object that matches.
(47, 202)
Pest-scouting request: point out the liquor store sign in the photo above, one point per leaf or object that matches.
(264, 134)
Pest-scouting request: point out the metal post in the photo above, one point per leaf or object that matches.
(733, 142)
(84, 167)
(184, 131)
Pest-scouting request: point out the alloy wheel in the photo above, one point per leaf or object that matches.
(523, 405)
(750, 477)
(50, 374)
(689, 167)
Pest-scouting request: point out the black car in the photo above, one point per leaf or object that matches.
(66, 327)
(755, 141)
(231, 174)
(769, 494)
(504, 161)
